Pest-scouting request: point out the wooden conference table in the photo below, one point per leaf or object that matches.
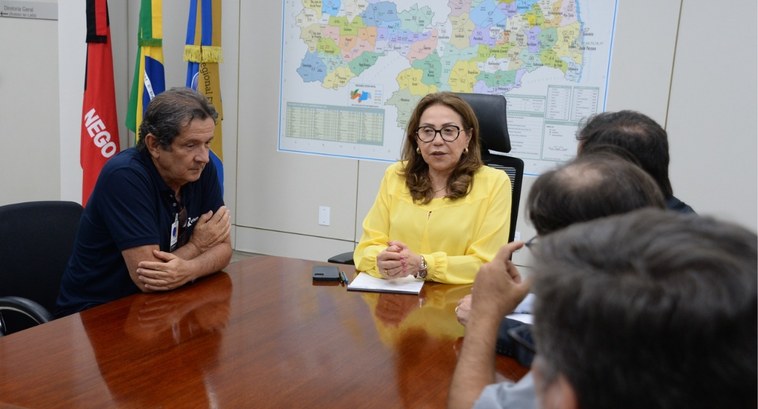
(261, 334)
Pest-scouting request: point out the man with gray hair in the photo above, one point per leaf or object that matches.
(156, 219)
(651, 309)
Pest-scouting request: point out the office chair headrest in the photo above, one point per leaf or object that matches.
(493, 124)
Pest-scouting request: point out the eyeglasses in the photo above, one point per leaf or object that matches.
(531, 244)
(449, 133)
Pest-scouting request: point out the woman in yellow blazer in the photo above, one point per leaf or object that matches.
(440, 213)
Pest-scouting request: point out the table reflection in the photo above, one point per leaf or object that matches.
(169, 325)
(414, 327)
(432, 311)
(179, 316)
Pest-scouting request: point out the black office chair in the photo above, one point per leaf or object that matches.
(490, 110)
(36, 240)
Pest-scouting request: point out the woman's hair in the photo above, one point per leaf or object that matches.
(416, 170)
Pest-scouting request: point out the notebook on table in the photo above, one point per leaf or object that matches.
(405, 285)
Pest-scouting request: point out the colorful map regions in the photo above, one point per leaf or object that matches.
(353, 70)
(483, 46)
(360, 96)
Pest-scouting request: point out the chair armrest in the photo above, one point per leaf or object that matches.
(342, 258)
(27, 307)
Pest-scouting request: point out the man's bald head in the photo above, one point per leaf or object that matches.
(590, 187)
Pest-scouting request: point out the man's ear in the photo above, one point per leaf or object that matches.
(559, 394)
(152, 145)
(554, 393)
(565, 396)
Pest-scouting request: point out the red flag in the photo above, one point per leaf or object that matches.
(99, 141)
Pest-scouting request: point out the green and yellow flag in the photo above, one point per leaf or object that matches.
(149, 75)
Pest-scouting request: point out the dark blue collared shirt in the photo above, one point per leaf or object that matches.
(130, 206)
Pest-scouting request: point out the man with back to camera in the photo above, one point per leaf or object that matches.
(156, 219)
(651, 309)
(644, 141)
(589, 187)
(627, 134)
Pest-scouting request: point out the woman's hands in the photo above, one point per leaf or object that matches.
(397, 261)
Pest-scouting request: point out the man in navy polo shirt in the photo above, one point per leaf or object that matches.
(156, 218)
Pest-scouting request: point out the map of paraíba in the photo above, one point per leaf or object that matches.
(404, 50)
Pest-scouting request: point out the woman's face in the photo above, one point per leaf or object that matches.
(440, 155)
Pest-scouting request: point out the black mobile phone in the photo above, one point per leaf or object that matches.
(326, 273)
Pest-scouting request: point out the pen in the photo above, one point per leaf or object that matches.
(344, 278)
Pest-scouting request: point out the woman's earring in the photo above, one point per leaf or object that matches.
(465, 150)
(418, 150)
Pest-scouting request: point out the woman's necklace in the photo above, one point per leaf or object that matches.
(442, 189)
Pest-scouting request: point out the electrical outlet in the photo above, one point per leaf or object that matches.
(324, 215)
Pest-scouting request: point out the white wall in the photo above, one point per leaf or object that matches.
(29, 110)
(713, 111)
(693, 69)
(279, 193)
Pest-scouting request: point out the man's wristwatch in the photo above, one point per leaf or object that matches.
(422, 270)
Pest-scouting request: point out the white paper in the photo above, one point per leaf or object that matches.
(365, 282)
(523, 311)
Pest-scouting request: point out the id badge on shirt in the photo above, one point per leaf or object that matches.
(174, 232)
